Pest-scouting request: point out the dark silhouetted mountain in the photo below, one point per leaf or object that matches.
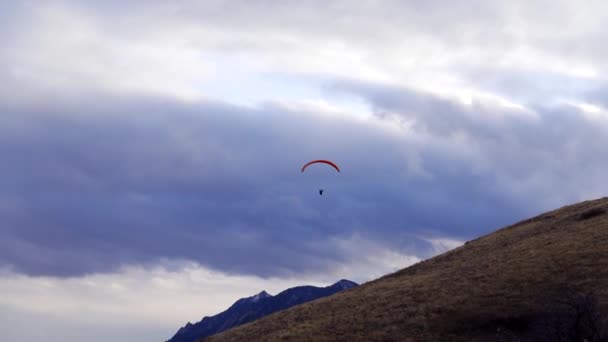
(248, 309)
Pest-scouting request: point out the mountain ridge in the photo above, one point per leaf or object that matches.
(253, 307)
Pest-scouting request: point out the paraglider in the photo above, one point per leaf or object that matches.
(322, 161)
(328, 162)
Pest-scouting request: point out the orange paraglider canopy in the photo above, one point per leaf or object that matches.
(328, 162)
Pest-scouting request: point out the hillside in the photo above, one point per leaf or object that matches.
(251, 308)
(520, 279)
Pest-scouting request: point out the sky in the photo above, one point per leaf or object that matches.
(150, 152)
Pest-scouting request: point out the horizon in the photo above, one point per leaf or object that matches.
(151, 154)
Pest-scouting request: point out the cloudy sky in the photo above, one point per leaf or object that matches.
(151, 151)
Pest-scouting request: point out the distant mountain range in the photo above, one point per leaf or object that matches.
(251, 308)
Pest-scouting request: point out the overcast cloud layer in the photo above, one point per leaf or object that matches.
(151, 134)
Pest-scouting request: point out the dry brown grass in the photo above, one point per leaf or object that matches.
(461, 295)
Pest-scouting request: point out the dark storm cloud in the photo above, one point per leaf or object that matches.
(86, 189)
(89, 188)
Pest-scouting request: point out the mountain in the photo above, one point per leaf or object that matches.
(251, 308)
(542, 279)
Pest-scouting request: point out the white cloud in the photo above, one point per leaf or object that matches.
(67, 49)
(442, 245)
(146, 300)
(228, 50)
(366, 259)
(137, 303)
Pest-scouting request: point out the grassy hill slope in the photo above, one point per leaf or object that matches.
(511, 280)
